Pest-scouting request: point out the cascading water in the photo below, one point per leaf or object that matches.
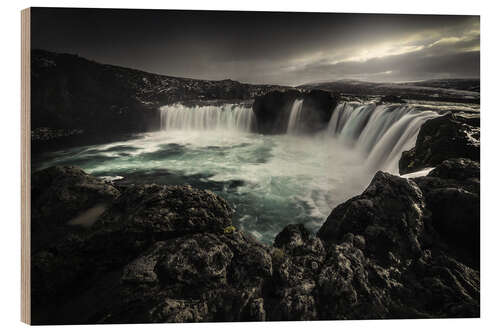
(269, 180)
(229, 117)
(295, 117)
(381, 132)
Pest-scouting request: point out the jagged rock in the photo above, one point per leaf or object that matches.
(296, 260)
(389, 215)
(166, 254)
(158, 253)
(384, 259)
(452, 195)
(59, 194)
(272, 111)
(446, 137)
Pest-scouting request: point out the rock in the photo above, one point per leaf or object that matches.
(59, 194)
(296, 260)
(442, 138)
(391, 99)
(164, 254)
(389, 215)
(317, 110)
(452, 195)
(158, 253)
(272, 111)
(47, 134)
(385, 260)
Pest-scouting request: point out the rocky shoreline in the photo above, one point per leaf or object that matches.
(404, 248)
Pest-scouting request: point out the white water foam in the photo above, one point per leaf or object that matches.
(294, 122)
(380, 132)
(229, 117)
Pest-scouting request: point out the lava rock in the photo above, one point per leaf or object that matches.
(158, 253)
(272, 111)
(389, 214)
(170, 254)
(452, 195)
(385, 260)
(446, 137)
(59, 194)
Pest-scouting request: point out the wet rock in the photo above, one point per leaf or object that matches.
(384, 258)
(452, 195)
(272, 110)
(163, 254)
(449, 136)
(389, 215)
(297, 258)
(59, 194)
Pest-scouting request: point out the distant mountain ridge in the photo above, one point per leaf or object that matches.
(453, 90)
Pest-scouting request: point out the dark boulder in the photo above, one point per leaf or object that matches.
(60, 194)
(317, 110)
(384, 259)
(170, 254)
(156, 254)
(272, 111)
(292, 294)
(446, 137)
(389, 215)
(452, 195)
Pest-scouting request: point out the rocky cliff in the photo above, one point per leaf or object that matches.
(272, 110)
(442, 138)
(70, 94)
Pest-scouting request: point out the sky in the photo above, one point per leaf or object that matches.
(266, 47)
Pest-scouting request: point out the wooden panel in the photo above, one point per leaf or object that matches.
(25, 167)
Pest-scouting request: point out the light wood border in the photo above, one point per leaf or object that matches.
(25, 166)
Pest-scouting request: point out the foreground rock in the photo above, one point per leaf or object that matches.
(452, 195)
(157, 254)
(389, 257)
(439, 139)
(272, 110)
(170, 254)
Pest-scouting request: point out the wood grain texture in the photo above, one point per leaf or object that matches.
(25, 167)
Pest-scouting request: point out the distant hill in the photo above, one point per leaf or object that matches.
(457, 84)
(452, 90)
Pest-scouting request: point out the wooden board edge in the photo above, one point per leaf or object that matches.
(25, 166)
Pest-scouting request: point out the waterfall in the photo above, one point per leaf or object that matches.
(228, 117)
(381, 132)
(295, 117)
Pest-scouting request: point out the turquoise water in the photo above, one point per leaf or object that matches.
(270, 181)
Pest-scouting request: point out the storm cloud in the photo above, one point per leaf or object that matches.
(263, 47)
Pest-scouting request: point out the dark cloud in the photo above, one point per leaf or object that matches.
(260, 47)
